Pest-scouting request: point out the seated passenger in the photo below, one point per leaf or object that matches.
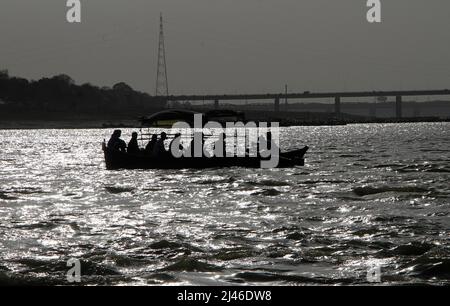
(133, 146)
(151, 144)
(266, 144)
(159, 150)
(116, 143)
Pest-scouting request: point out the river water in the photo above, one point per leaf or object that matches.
(370, 198)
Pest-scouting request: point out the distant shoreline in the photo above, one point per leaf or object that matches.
(105, 124)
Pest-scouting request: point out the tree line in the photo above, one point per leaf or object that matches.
(60, 94)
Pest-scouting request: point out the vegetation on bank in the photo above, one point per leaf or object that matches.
(61, 94)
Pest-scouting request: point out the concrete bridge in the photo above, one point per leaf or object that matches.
(309, 95)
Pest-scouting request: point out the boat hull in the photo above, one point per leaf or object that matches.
(121, 160)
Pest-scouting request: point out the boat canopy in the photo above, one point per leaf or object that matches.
(168, 117)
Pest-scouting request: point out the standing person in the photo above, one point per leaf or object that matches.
(133, 146)
(116, 143)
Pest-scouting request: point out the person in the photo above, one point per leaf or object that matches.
(159, 150)
(133, 146)
(116, 143)
(151, 144)
(267, 144)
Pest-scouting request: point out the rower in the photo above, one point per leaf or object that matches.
(133, 146)
(265, 143)
(159, 149)
(116, 143)
(151, 144)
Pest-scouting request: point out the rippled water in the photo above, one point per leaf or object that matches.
(369, 195)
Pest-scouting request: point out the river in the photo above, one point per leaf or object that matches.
(371, 197)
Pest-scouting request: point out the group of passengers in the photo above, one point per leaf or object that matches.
(154, 148)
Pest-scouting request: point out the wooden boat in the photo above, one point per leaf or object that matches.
(120, 160)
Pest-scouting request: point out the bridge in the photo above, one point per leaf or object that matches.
(309, 95)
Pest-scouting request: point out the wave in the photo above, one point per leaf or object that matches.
(170, 246)
(4, 196)
(270, 183)
(267, 192)
(386, 166)
(28, 190)
(411, 249)
(313, 182)
(220, 181)
(88, 267)
(11, 194)
(41, 225)
(192, 265)
(297, 236)
(369, 190)
(117, 190)
(289, 278)
(233, 254)
(424, 168)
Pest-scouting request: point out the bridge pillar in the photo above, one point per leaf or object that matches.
(277, 104)
(373, 110)
(398, 107)
(216, 104)
(337, 106)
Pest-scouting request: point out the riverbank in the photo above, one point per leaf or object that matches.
(101, 124)
(43, 120)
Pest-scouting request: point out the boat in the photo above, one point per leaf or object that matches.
(167, 118)
(121, 160)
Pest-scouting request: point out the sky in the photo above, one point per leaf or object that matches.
(232, 46)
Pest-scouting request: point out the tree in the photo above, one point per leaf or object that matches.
(124, 87)
(64, 78)
(4, 74)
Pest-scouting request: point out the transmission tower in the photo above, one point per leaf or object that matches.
(162, 85)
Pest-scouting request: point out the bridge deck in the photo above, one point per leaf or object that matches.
(306, 95)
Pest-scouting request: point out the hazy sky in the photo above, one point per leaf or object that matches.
(230, 46)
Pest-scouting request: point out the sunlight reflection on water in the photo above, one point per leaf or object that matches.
(368, 194)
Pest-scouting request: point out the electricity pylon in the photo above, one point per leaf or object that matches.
(162, 84)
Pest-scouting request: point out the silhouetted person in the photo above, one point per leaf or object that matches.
(160, 150)
(267, 145)
(151, 145)
(133, 146)
(116, 143)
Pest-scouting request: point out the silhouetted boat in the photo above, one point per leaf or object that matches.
(121, 160)
(167, 118)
